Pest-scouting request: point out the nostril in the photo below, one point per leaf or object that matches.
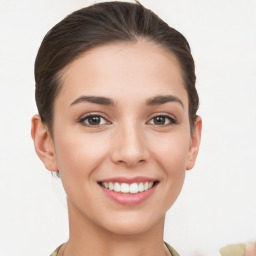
(130, 162)
(121, 162)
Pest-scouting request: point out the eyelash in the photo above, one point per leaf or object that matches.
(171, 120)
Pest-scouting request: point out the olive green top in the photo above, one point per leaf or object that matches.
(171, 250)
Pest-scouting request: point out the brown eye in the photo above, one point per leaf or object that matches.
(162, 120)
(93, 120)
(159, 120)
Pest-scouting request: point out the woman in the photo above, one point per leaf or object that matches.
(117, 103)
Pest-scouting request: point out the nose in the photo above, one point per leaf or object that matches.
(129, 146)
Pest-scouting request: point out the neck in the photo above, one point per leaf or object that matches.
(88, 238)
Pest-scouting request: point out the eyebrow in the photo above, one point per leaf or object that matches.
(95, 99)
(158, 100)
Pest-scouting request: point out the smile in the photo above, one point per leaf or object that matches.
(132, 188)
(127, 191)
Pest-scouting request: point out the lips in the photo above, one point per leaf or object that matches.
(129, 191)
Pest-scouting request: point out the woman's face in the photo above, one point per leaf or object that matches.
(121, 119)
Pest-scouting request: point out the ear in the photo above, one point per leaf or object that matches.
(194, 144)
(43, 143)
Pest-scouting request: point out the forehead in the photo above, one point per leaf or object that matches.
(123, 70)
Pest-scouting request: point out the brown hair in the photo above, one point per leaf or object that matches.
(100, 24)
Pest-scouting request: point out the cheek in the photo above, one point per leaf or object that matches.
(172, 153)
(172, 157)
(78, 156)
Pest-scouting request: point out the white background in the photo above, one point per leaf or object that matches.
(218, 203)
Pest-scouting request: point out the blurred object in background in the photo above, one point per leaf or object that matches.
(239, 250)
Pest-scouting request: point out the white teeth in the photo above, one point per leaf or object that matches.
(141, 187)
(105, 184)
(110, 186)
(134, 188)
(146, 186)
(117, 187)
(125, 188)
(128, 188)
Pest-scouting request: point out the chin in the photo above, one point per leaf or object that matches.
(131, 224)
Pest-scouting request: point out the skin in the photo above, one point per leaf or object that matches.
(128, 142)
(250, 250)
